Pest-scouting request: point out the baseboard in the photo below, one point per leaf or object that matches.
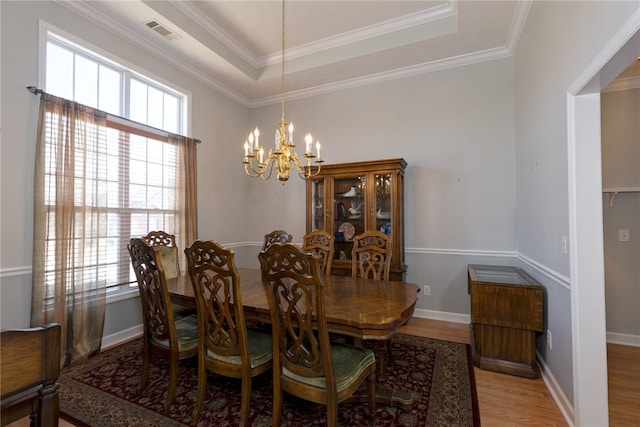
(566, 407)
(623, 339)
(442, 315)
(121, 337)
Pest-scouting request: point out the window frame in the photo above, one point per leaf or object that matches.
(128, 72)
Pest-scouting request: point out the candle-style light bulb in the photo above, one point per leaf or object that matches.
(246, 148)
(308, 139)
(318, 150)
(251, 141)
(290, 133)
(261, 154)
(256, 132)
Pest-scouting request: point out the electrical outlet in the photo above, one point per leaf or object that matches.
(427, 289)
(549, 340)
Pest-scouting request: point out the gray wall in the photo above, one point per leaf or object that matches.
(486, 146)
(621, 168)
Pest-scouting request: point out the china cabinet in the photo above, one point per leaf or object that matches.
(350, 198)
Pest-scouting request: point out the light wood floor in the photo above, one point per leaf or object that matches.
(624, 385)
(507, 400)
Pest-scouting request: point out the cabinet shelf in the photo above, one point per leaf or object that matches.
(613, 191)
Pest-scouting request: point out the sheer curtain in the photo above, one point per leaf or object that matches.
(65, 290)
(82, 216)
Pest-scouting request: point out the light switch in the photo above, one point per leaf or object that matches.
(623, 235)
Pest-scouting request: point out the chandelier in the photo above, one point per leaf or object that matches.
(283, 157)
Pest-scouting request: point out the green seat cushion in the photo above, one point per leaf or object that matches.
(348, 363)
(260, 350)
(167, 256)
(187, 332)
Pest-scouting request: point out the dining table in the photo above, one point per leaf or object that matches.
(364, 309)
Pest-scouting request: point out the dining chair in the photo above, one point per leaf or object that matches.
(305, 363)
(371, 255)
(164, 335)
(276, 236)
(164, 245)
(320, 243)
(371, 258)
(226, 346)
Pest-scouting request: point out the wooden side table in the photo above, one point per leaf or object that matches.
(506, 314)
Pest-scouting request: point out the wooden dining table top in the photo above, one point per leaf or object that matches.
(362, 308)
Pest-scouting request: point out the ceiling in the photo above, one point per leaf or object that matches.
(236, 46)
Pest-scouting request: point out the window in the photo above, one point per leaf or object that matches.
(87, 78)
(128, 174)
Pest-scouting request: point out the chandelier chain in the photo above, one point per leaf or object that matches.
(283, 46)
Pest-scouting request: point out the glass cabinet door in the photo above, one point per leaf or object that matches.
(383, 186)
(349, 212)
(318, 207)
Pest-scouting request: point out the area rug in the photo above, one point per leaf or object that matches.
(102, 392)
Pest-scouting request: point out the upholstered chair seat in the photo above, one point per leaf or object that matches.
(260, 350)
(348, 362)
(186, 331)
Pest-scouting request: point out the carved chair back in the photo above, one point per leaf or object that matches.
(320, 243)
(156, 305)
(164, 245)
(371, 255)
(280, 236)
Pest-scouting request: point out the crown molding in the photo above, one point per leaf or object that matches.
(369, 32)
(372, 31)
(413, 70)
(517, 26)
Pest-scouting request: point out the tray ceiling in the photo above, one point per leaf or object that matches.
(235, 46)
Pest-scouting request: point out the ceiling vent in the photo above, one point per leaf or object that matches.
(161, 29)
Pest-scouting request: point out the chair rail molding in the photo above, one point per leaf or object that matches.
(15, 271)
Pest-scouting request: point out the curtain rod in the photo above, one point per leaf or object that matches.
(36, 91)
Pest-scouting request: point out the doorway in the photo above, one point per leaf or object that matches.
(585, 196)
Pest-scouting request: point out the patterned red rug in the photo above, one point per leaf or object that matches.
(102, 392)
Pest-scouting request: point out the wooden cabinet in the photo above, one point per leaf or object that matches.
(350, 198)
(506, 314)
